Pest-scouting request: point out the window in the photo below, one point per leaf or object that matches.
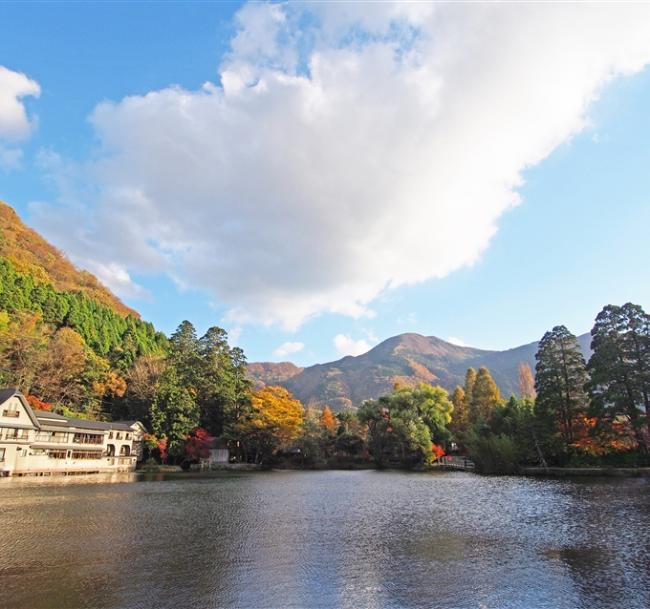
(11, 413)
(110, 435)
(38, 451)
(2, 454)
(85, 454)
(88, 438)
(14, 434)
(56, 454)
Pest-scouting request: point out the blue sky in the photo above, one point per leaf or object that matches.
(576, 241)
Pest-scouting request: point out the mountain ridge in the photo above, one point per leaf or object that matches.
(407, 358)
(30, 253)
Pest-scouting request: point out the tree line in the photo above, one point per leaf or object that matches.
(572, 412)
(78, 356)
(569, 412)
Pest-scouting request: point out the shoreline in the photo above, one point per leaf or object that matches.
(586, 472)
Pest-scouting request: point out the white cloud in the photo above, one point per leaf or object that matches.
(456, 341)
(347, 152)
(288, 348)
(234, 334)
(15, 125)
(117, 277)
(346, 345)
(14, 122)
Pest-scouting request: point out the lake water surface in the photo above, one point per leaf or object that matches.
(324, 539)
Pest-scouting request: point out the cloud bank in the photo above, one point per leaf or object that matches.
(346, 345)
(288, 348)
(347, 149)
(15, 124)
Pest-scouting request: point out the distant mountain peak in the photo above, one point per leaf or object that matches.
(408, 358)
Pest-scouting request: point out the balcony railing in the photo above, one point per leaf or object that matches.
(14, 434)
(86, 438)
(54, 439)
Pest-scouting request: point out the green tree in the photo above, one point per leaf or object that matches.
(403, 426)
(560, 379)
(620, 368)
(506, 440)
(223, 388)
(174, 412)
(184, 354)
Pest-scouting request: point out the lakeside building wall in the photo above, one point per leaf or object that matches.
(37, 442)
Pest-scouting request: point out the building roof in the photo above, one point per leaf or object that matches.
(45, 417)
(49, 418)
(7, 393)
(46, 414)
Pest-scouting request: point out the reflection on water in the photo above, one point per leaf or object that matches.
(324, 539)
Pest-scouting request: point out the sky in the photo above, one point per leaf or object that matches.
(318, 177)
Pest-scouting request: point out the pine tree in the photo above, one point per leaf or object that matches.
(560, 384)
(620, 367)
(184, 353)
(485, 396)
(174, 412)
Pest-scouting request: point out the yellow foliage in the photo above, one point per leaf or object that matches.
(276, 411)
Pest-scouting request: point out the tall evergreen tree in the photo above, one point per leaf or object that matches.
(216, 379)
(620, 367)
(184, 354)
(174, 412)
(560, 381)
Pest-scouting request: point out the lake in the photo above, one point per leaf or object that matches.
(324, 539)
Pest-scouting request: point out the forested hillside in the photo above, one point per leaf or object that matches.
(64, 338)
(70, 345)
(32, 255)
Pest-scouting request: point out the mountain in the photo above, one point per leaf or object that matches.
(30, 254)
(38, 282)
(270, 373)
(406, 358)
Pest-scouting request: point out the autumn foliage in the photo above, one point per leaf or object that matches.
(274, 420)
(438, 451)
(198, 444)
(37, 404)
(328, 421)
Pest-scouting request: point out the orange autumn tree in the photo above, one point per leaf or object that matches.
(274, 421)
(596, 441)
(328, 421)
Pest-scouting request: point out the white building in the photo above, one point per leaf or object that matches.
(37, 442)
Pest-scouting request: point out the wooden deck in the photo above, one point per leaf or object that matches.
(452, 462)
